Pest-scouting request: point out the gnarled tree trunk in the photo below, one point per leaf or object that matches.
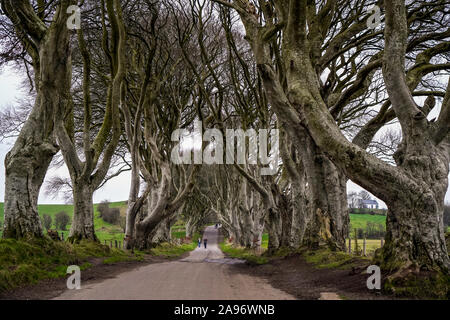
(27, 163)
(274, 231)
(329, 217)
(83, 221)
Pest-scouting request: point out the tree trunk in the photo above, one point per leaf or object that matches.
(83, 213)
(300, 212)
(26, 165)
(415, 234)
(247, 229)
(329, 221)
(189, 227)
(286, 217)
(162, 233)
(257, 236)
(274, 230)
(27, 162)
(135, 202)
(157, 203)
(132, 212)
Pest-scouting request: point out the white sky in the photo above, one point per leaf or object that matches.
(115, 190)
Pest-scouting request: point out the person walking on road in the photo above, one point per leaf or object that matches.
(199, 242)
(205, 242)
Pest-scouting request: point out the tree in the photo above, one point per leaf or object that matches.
(325, 220)
(44, 37)
(160, 99)
(47, 221)
(352, 203)
(103, 207)
(416, 186)
(88, 174)
(57, 186)
(62, 219)
(111, 215)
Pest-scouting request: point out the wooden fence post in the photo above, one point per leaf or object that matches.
(110, 243)
(62, 236)
(382, 242)
(349, 245)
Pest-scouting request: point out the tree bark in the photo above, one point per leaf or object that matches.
(274, 231)
(83, 221)
(26, 167)
(162, 233)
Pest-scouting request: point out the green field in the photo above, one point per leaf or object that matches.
(371, 245)
(103, 230)
(106, 231)
(359, 221)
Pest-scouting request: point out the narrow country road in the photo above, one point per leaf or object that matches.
(204, 275)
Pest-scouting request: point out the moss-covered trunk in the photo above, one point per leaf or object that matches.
(26, 165)
(27, 162)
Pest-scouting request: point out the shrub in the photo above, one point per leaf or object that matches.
(62, 219)
(375, 230)
(103, 207)
(111, 215)
(47, 221)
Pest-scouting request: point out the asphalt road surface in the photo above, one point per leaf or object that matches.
(204, 275)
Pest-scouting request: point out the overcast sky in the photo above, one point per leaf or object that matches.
(115, 190)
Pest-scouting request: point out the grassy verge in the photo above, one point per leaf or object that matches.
(170, 250)
(325, 258)
(243, 253)
(371, 245)
(23, 263)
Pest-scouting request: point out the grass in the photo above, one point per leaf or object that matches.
(170, 250)
(371, 245)
(103, 230)
(359, 221)
(265, 241)
(243, 253)
(325, 258)
(23, 263)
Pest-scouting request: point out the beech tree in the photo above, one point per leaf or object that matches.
(161, 98)
(240, 96)
(89, 172)
(41, 32)
(414, 189)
